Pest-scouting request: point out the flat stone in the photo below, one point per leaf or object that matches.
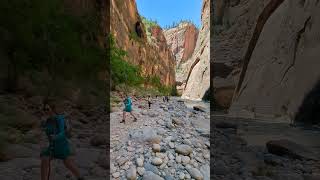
(288, 148)
(195, 173)
(157, 161)
(184, 149)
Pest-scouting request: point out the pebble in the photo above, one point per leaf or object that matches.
(157, 161)
(184, 149)
(140, 171)
(139, 162)
(171, 145)
(185, 159)
(132, 173)
(178, 159)
(195, 173)
(181, 176)
(156, 147)
(116, 174)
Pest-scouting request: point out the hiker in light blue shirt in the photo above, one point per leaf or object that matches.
(127, 108)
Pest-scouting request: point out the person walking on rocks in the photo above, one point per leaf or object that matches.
(127, 108)
(59, 147)
(149, 101)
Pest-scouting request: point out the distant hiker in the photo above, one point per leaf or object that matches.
(149, 101)
(167, 98)
(59, 148)
(127, 108)
(164, 98)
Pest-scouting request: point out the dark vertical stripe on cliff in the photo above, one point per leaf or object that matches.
(105, 9)
(264, 16)
(212, 133)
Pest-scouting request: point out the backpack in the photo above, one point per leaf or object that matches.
(67, 126)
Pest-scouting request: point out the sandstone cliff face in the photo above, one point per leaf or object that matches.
(182, 40)
(234, 23)
(284, 63)
(196, 70)
(154, 58)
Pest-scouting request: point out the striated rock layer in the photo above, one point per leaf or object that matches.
(234, 23)
(281, 64)
(196, 71)
(182, 41)
(154, 58)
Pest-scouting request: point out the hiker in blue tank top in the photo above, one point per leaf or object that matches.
(59, 147)
(127, 108)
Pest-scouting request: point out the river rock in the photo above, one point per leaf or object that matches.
(140, 171)
(156, 147)
(132, 173)
(177, 121)
(185, 159)
(148, 175)
(184, 149)
(288, 148)
(195, 173)
(157, 161)
(139, 162)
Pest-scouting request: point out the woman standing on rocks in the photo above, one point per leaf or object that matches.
(127, 108)
(59, 147)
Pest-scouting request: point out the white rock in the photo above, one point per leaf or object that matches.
(156, 147)
(157, 161)
(181, 176)
(178, 159)
(116, 174)
(171, 145)
(184, 149)
(140, 170)
(139, 162)
(185, 159)
(195, 173)
(132, 173)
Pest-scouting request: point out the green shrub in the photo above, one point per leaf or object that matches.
(122, 72)
(44, 36)
(134, 36)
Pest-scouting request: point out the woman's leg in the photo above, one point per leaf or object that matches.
(69, 163)
(135, 119)
(123, 117)
(45, 163)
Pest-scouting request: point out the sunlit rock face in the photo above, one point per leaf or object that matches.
(195, 72)
(154, 58)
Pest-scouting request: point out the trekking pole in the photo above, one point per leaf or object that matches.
(51, 153)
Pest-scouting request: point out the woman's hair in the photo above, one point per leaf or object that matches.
(49, 104)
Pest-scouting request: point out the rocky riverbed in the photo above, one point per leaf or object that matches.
(236, 156)
(169, 141)
(88, 141)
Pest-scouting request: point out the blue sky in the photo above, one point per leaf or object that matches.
(168, 11)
